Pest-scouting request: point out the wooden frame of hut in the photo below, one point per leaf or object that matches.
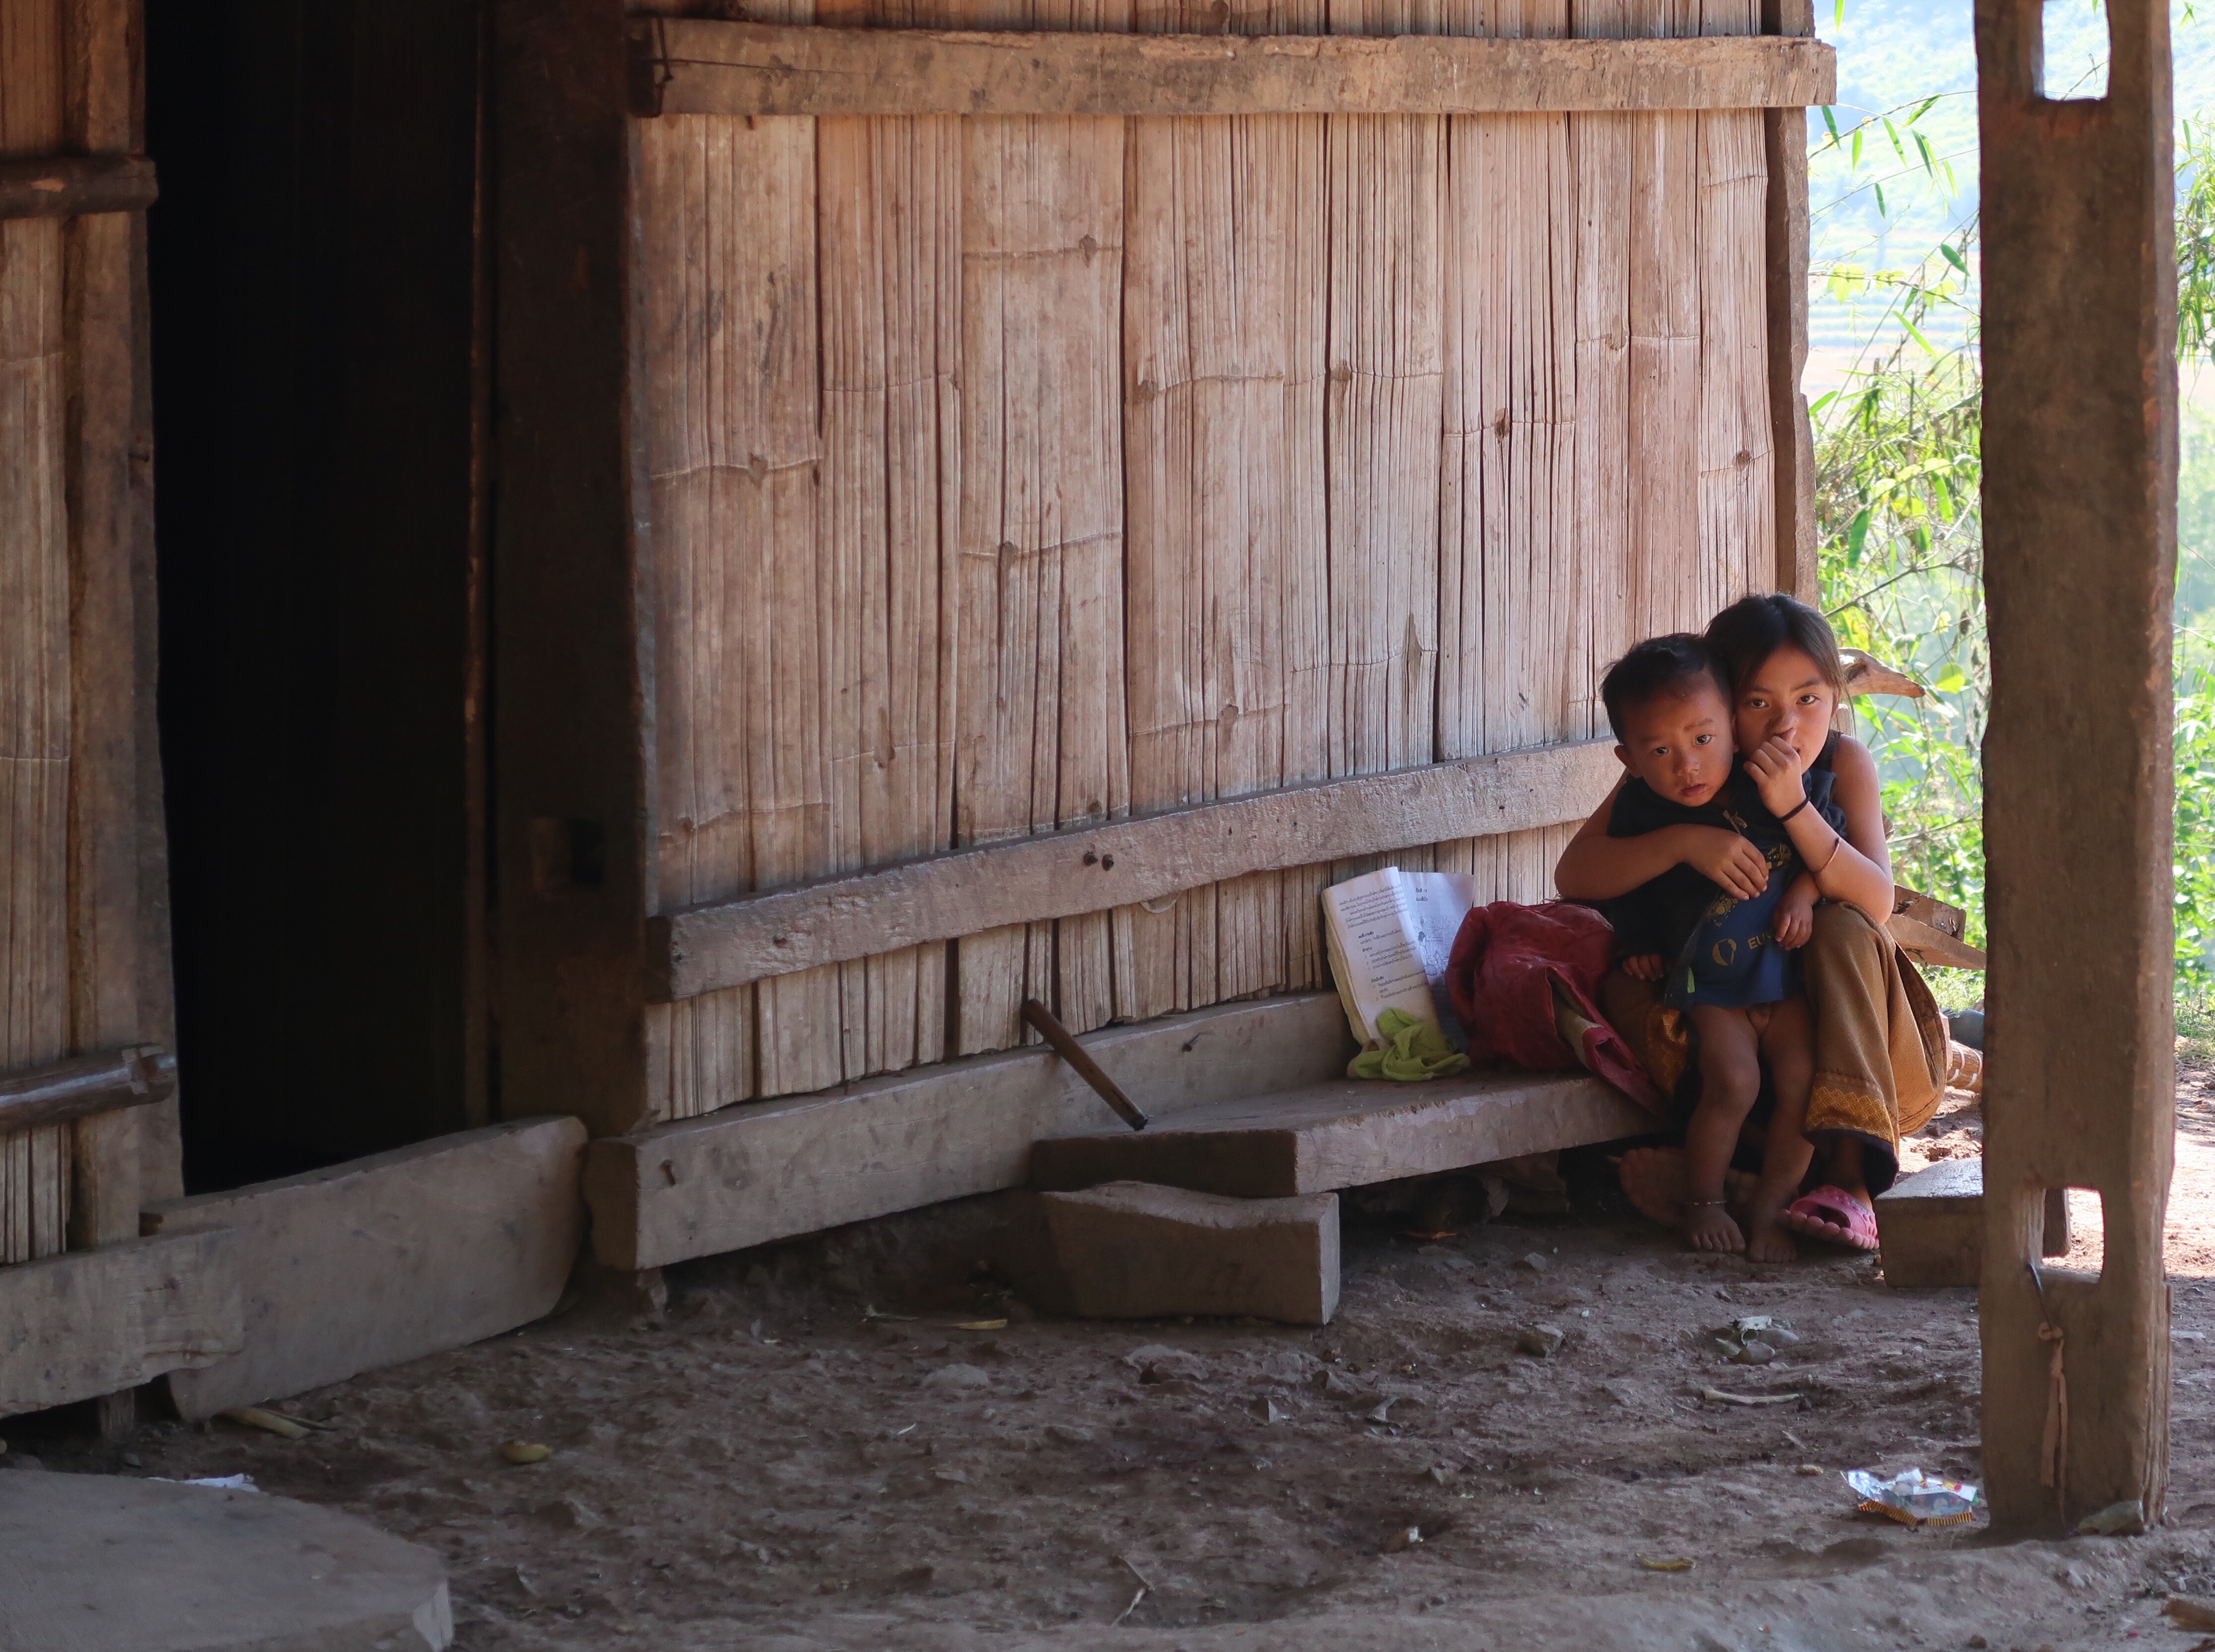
(1081, 490)
(1007, 503)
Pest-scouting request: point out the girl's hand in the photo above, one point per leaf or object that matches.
(1777, 767)
(1727, 861)
(1796, 913)
(1644, 966)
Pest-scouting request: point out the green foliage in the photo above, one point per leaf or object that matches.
(1898, 471)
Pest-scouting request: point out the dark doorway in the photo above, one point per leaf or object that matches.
(314, 292)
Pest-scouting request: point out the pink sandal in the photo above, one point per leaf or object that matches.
(1833, 1214)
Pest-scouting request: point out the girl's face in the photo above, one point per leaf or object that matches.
(1787, 695)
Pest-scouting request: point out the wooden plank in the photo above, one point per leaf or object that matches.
(105, 911)
(1928, 945)
(1346, 1134)
(697, 67)
(1224, 348)
(352, 1268)
(2080, 554)
(1666, 594)
(1737, 498)
(1041, 720)
(34, 635)
(1037, 879)
(1384, 412)
(771, 1170)
(728, 218)
(1601, 512)
(96, 1321)
(85, 1085)
(889, 240)
(1792, 437)
(575, 773)
(65, 185)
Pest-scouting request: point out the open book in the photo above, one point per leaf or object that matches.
(1389, 933)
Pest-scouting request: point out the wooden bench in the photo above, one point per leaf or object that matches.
(1346, 1133)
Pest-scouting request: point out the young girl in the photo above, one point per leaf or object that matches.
(1786, 682)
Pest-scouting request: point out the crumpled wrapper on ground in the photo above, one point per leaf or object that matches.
(1914, 1498)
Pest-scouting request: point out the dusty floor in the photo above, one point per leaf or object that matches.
(783, 1464)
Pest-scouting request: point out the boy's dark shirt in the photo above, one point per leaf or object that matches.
(1660, 915)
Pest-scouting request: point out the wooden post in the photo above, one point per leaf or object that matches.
(104, 912)
(574, 698)
(1786, 133)
(2080, 489)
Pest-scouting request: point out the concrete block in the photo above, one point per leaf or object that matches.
(1930, 1226)
(1132, 1250)
(97, 1562)
(387, 1258)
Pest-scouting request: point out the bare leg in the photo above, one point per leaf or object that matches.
(1788, 1043)
(1730, 1078)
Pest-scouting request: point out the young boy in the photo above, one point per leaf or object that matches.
(1728, 963)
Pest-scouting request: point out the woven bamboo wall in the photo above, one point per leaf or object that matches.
(34, 640)
(75, 686)
(1017, 473)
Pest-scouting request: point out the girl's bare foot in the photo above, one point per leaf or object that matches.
(1709, 1227)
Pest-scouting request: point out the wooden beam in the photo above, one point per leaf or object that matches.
(693, 67)
(1785, 137)
(1348, 1134)
(85, 1086)
(766, 1170)
(100, 368)
(351, 1268)
(72, 186)
(1029, 880)
(2080, 441)
(572, 712)
(101, 1322)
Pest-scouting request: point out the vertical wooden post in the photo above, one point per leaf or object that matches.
(104, 912)
(573, 697)
(2080, 489)
(1785, 132)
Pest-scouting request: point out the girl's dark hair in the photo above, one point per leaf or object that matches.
(1744, 634)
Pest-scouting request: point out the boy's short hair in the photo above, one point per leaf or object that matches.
(1658, 665)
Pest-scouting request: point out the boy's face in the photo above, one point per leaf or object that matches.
(1679, 742)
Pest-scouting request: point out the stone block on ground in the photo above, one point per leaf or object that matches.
(1930, 1226)
(387, 1258)
(97, 1562)
(1133, 1251)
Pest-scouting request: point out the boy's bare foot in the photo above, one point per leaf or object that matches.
(1709, 1227)
(1655, 1181)
(1769, 1243)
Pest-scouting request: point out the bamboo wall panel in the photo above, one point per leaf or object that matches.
(1224, 364)
(34, 639)
(1017, 473)
(889, 237)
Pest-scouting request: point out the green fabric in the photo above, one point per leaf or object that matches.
(1412, 1049)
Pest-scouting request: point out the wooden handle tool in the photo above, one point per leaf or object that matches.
(1086, 1069)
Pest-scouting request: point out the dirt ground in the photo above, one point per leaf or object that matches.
(782, 1463)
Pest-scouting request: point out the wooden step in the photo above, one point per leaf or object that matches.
(1347, 1133)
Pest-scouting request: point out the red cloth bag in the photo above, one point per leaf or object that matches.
(1507, 962)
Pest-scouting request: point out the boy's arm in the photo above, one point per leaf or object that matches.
(1596, 867)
